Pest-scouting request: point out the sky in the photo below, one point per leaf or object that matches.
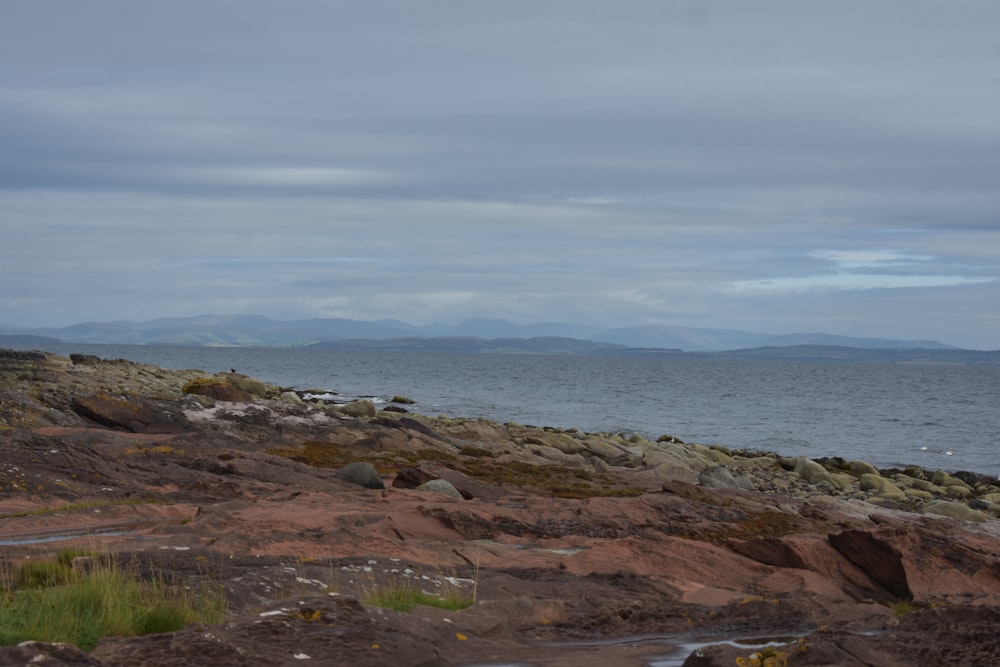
(772, 166)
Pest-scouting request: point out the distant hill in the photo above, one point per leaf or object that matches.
(497, 328)
(535, 345)
(695, 339)
(848, 341)
(573, 346)
(832, 353)
(229, 330)
(483, 334)
(684, 338)
(25, 340)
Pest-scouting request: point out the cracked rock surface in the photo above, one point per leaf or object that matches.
(577, 548)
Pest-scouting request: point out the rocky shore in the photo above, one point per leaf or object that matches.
(574, 548)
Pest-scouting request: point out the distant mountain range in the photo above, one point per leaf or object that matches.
(497, 336)
(256, 330)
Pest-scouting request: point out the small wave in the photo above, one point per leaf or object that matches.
(328, 397)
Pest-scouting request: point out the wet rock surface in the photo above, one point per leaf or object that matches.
(577, 548)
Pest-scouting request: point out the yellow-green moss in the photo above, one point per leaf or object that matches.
(766, 525)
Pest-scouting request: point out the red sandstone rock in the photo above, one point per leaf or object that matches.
(615, 575)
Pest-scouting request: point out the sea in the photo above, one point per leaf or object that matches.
(941, 417)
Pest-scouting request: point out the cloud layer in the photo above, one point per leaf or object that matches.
(773, 166)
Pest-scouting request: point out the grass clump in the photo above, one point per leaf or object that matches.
(52, 602)
(406, 597)
(903, 607)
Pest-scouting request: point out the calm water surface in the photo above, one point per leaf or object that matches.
(890, 415)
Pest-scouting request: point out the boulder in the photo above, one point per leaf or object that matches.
(362, 474)
(672, 462)
(408, 423)
(135, 416)
(810, 471)
(673, 454)
(918, 494)
(713, 455)
(248, 384)
(468, 487)
(881, 487)
(290, 397)
(957, 491)
(719, 477)
(219, 388)
(842, 481)
(411, 478)
(955, 510)
(440, 486)
(564, 442)
(552, 456)
(944, 480)
(859, 468)
(602, 448)
(362, 409)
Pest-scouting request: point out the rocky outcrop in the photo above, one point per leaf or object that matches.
(136, 416)
(572, 544)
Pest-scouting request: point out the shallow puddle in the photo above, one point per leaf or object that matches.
(60, 538)
(686, 648)
(42, 539)
(677, 647)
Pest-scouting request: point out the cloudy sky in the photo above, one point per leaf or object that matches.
(774, 166)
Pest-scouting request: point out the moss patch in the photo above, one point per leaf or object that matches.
(766, 525)
(475, 462)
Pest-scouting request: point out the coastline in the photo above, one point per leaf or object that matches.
(567, 537)
(888, 415)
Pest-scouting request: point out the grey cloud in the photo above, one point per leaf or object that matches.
(628, 161)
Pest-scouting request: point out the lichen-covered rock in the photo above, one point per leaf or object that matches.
(943, 479)
(363, 409)
(918, 494)
(720, 477)
(440, 486)
(811, 471)
(955, 510)
(603, 448)
(561, 441)
(290, 397)
(881, 487)
(250, 385)
(712, 455)
(842, 481)
(859, 468)
(219, 388)
(362, 474)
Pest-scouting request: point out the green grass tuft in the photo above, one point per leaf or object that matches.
(54, 603)
(903, 607)
(406, 597)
